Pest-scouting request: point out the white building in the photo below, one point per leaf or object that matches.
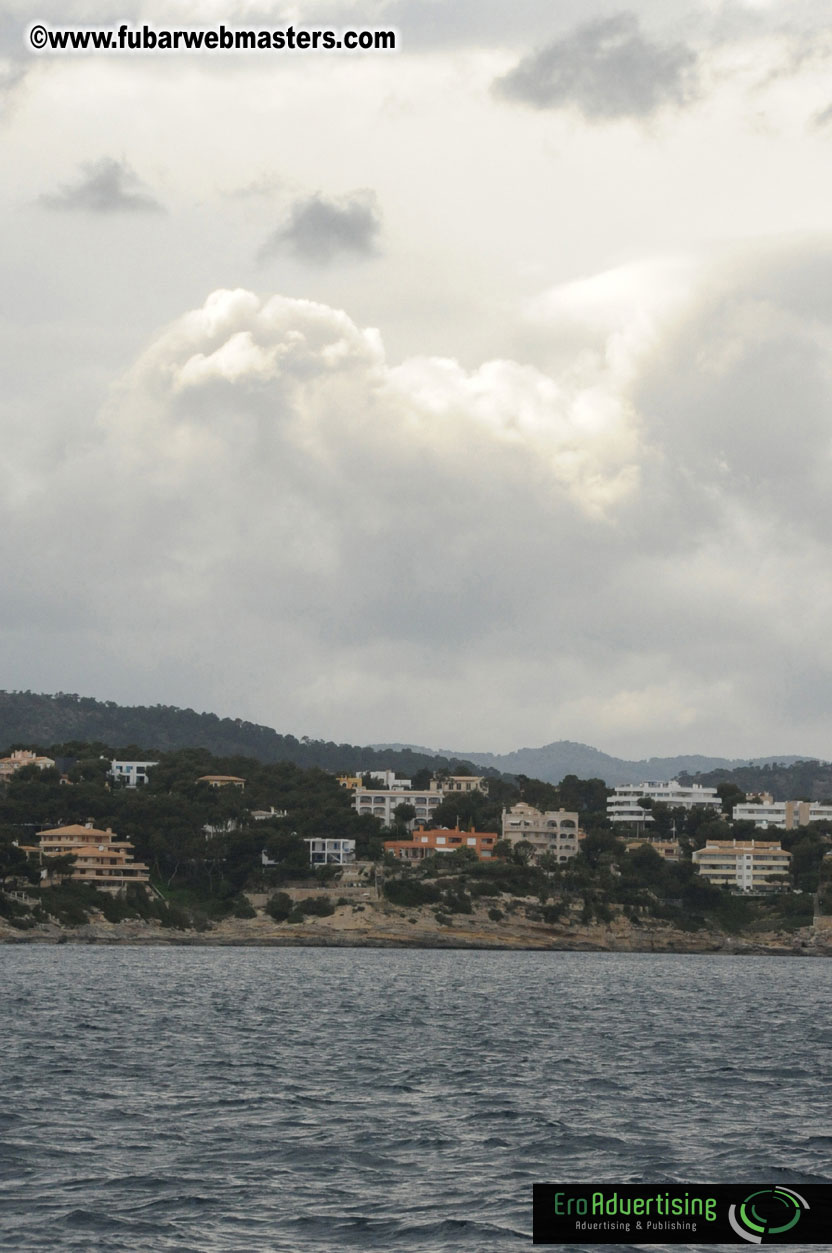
(387, 778)
(382, 802)
(133, 773)
(785, 815)
(326, 852)
(555, 831)
(744, 865)
(623, 805)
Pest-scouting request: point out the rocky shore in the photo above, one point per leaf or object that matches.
(383, 926)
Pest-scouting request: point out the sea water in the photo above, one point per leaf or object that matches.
(201, 1099)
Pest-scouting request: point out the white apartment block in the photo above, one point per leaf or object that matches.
(133, 773)
(623, 805)
(743, 865)
(555, 831)
(382, 802)
(785, 815)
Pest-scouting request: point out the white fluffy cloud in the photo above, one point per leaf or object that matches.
(270, 513)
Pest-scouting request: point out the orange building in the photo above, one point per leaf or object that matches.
(100, 859)
(442, 840)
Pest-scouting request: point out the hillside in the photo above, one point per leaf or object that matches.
(29, 718)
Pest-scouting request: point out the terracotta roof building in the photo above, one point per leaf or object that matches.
(100, 859)
(222, 780)
(22, 757)
(442, 840)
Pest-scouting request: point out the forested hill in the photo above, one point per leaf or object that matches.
(800, 780)
(29, 719)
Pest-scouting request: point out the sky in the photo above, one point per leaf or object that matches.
(475, 394)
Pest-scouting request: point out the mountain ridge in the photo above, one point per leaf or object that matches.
(40, 719)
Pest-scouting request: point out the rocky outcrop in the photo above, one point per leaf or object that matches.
(381, 925)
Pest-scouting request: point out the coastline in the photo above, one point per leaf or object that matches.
(387, 927)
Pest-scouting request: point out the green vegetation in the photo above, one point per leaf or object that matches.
(204, 847)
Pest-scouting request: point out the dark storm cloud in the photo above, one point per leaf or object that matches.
(105, 186)
(607, 70)
(318, 229)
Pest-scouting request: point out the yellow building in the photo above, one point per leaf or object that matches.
(100, 859)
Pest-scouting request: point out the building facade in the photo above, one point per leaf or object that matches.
(101, 859)
(554, 832)
(382, 802)
(326, 852)
(464, 783)
(425, 843)
(132, 773)
(18, 759)
(623, 805)
(784, 815)
(743, 865)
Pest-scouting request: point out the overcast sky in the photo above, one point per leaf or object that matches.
(477, 394)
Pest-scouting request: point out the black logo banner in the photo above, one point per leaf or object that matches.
(692, 1213)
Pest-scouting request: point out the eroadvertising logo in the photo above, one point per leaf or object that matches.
(602, 1213)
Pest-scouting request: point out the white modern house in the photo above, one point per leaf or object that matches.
(133, 773)
(326, 852)
(322, 852)
(623, 805)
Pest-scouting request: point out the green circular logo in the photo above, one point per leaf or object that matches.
(767, 1214)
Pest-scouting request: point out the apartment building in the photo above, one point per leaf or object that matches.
(743, 865)
(623, 805)
(381, 803)
(101, 859)
(784, 815)
(555, 832)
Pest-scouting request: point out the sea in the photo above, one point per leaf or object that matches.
(317, 1099)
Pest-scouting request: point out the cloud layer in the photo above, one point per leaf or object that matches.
(636, 536)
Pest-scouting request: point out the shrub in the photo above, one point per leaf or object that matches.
(410, 893)
(279, 906)
(317, 906)
(495, 914)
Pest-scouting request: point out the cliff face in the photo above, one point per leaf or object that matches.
(383, 926)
